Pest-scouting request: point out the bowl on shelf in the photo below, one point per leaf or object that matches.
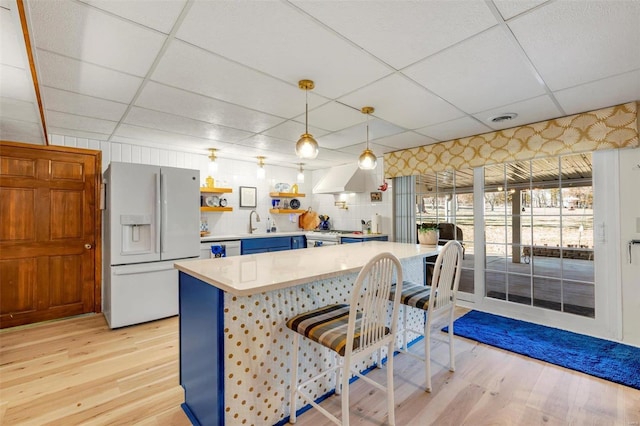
(282, 187)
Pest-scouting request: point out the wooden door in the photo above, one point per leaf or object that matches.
(50, 226)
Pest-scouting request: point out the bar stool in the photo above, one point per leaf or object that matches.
(444, 288)
(353, 332)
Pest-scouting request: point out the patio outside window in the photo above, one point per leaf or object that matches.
(539, 233)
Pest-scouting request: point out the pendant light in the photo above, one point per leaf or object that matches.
(213, 166)
(306, 147)
(367, 160)
(261, 172)
(300, 177)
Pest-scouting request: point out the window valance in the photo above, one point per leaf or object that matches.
(607, 128)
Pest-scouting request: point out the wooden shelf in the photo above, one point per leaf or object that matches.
(216, 209)
(215, 190)
(285, 194)
(287, 211)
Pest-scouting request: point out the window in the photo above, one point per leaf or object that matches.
(446, 199)
(539, 233)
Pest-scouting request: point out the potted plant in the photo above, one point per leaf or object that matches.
(428, 234)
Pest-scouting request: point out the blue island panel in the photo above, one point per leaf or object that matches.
(202, 350)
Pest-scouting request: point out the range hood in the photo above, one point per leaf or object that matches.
(345, 178)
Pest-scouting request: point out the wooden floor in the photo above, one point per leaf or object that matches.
(77, 371)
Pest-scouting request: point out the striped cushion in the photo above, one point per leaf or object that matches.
(413, 294)
(327, 326)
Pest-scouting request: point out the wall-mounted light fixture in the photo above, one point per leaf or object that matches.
(306, 147)
(301, 174)
(212, 166)
(367, 160)
(261, 172)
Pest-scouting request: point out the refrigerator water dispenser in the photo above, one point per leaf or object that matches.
(136, 234)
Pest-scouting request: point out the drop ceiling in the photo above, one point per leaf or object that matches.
(194, 75)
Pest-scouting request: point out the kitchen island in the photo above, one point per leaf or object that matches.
(234, 345)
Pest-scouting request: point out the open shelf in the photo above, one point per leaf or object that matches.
(216, 209)
(287, 211)
(215, 190)
(285, 194)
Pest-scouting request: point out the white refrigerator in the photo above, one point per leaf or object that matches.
(151, 219)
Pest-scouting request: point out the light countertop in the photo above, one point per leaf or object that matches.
(257, 273)
(233, 237)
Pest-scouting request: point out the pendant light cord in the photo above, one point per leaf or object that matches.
(306, 111)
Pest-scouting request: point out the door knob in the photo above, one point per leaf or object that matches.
(88, 246)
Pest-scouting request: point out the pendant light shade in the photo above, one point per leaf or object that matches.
(367, 160)
(300, 177)
(306, 147)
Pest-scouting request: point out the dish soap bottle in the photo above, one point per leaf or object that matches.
(268, 224)
(273, 226)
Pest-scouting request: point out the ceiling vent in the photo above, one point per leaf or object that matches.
(503, 117)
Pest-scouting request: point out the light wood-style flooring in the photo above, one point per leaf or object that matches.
(77, 371)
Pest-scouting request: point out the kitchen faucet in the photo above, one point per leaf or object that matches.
(251, 228)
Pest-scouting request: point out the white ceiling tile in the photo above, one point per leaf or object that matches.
(16, 84)
(162, 19)
(600, 94)
(405, 140)
(454, 129)
(529, 111)
(196, 70)
(283, 43)
(481, 73)
(11, 46)
(358, 133)
(184, 126)
(179, 102)
(81, 77)
(572, 43)
(165, 138)
(421, 28)
(21, 131)
(509, 8)
(292, 130)
(333, 116)
(403, 102)
(91, 35)
(77, 133)
(19, 110)
(355, 150)
(87, 124)
(269, 144)
(74, 103)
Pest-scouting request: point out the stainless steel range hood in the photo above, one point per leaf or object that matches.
(345, 178)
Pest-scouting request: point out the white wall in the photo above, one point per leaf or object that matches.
(630, 229)
(236, 173)
(359, 205)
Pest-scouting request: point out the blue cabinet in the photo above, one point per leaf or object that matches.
(263, 245)
(298, 242)
(347, 240)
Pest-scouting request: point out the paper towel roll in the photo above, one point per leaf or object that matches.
(376, 224)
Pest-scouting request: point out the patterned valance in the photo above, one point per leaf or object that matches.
(607, 128)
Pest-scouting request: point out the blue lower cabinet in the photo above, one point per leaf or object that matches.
(263, 245)
(347, 240)
(298, 242)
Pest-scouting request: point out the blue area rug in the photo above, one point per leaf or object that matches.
(597, 357)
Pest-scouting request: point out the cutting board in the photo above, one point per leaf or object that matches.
(308, 220)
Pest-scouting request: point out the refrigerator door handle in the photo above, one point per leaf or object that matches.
(165, 215)
(157, 209)
(142, 269)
